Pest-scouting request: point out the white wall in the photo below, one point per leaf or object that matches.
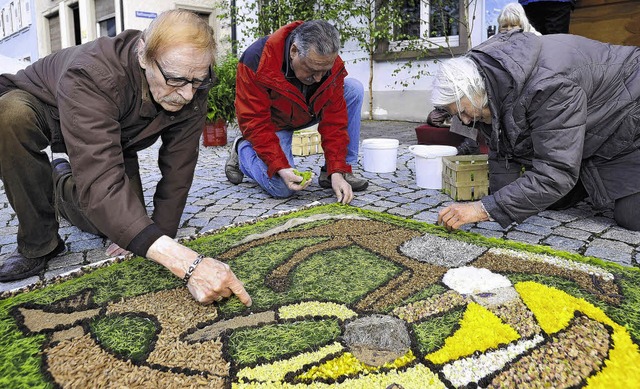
(140, 21)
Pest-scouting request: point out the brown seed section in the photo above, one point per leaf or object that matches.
(37, 320)
(177, 312)
(432, 306)
(608, 291)
(516, 314)
(81, 363)
(567, 359)
(214, 330)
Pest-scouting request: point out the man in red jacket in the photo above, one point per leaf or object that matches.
(289, 80)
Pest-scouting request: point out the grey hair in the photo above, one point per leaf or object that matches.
(317, 35)
(457, 78)
(513, 14)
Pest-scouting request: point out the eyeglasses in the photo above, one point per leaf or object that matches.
(181, 81)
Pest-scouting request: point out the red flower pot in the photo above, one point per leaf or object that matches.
(214, 133)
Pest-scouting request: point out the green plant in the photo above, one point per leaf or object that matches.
(222, 95)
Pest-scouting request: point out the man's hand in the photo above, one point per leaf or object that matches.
(341, 188)
(213, 280)
(115, 251)
(458, 214)
(292, 180)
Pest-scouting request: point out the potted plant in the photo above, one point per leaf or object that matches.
(221, 108)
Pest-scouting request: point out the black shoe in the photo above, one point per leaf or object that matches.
(232, 166)
(323, 179)
(357, 184)
(16, 266)
(60, 168)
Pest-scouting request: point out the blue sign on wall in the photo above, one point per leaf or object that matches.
(148, 15)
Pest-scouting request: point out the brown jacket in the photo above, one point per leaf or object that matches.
(100, 113)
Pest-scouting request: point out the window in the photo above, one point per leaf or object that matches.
(432, 25)
(106, 17)
(107, 27)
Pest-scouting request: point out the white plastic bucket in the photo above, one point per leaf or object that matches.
(380, 155)
(428, 162)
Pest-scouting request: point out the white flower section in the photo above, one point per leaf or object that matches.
(276, 371)
(555, 261)
(473, 369)
(315, 308)
(469, 280)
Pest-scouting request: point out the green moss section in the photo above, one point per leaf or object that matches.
(270, 342)
(342, 275)
(432, 333)
(126, 279)
(20, 361)
(126, 335)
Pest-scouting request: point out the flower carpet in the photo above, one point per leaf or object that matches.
(467, 311)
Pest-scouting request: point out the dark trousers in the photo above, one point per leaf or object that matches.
(549, 17)
(27, 176)
(626, 210)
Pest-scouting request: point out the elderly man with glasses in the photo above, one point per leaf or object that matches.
(101, 103)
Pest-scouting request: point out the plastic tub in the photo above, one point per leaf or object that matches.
(428, 164)
(380, 155)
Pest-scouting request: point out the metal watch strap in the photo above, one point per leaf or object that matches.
(192, 268)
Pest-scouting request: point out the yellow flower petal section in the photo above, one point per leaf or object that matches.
(554, 308)
(348, 364)
(315, 308)
(276, 371)
(415, 377)
(479, 330)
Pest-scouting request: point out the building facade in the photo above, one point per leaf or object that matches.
(32, 29)
(18, 35)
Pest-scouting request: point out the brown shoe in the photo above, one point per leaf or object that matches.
(16, 266)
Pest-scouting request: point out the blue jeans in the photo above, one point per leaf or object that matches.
(253, 167)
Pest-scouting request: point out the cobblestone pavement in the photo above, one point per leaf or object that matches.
(214, 202)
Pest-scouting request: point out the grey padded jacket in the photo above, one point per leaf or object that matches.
(560, 104)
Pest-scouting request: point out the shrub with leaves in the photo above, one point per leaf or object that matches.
(222, 95)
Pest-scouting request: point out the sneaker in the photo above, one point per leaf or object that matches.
(232, 166)
(357, 184)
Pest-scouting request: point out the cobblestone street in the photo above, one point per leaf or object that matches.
(214, 203)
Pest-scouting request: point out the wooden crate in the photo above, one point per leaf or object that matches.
(465, 177)
(306, 142)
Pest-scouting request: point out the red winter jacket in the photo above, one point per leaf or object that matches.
(266, 102)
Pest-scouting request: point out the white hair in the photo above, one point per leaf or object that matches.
(513, 15)
(457, 78)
